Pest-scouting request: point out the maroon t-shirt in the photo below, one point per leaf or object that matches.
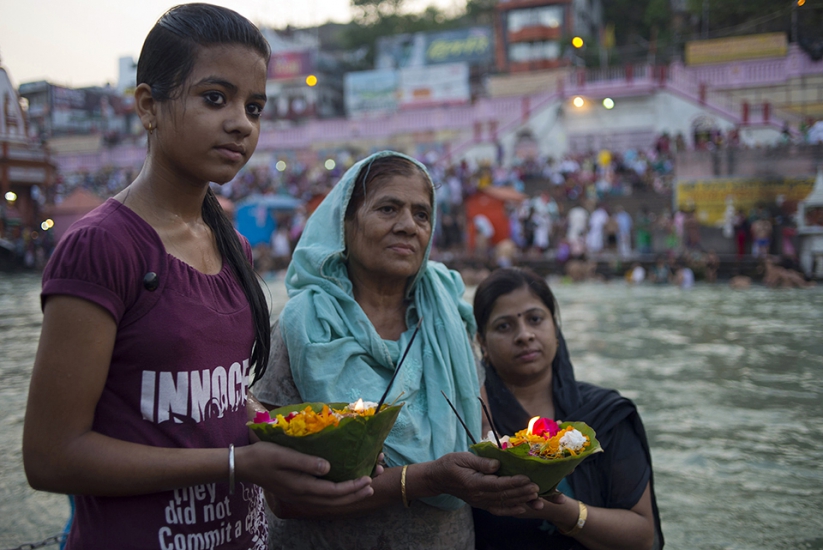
(178, 378)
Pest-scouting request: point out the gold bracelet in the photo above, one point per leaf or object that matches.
(403, 486)
(581, 521)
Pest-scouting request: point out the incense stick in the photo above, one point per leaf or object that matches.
(397, 369)
(458, 417)
(491, 422)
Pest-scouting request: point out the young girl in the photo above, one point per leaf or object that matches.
(154, 320)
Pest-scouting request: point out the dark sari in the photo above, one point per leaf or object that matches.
(615, 478)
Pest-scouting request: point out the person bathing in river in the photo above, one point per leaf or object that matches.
(153, 320)
(608, 502)
(359, 283)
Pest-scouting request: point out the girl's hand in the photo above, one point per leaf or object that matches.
(471, 478)
(292, 477)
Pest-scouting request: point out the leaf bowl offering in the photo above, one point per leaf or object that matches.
(545, 452)
(349, 436)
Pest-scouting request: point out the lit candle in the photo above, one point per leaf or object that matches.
(531, 424)
(359, 406)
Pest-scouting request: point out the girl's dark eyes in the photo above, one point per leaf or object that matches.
(215, 98)
(254, 110)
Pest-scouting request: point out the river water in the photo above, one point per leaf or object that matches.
(729, 385)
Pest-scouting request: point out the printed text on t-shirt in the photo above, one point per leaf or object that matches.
(193, 395)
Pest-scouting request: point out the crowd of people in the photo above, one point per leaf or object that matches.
(574, 214)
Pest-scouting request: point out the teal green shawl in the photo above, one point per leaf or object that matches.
(337, 355)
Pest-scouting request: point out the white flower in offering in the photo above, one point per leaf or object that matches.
(573, 440)
(504, 441)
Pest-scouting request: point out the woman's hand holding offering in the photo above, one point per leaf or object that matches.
(471, 478)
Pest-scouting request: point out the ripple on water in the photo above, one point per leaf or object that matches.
(730, 387)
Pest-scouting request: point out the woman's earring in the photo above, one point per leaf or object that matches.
(150, 129)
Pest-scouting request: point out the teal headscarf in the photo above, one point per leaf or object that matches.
(337, 355)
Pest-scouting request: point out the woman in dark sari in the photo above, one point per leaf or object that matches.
(608, 502)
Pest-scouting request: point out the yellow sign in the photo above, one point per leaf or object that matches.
(739, 48)
(710, 197)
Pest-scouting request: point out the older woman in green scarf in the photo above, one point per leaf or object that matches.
(359, 282)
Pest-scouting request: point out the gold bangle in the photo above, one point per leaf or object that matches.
(581, 521)
(403, 486)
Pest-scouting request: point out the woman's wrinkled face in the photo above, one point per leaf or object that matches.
(520, 338)
(388, 236)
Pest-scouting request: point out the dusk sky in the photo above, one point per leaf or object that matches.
(77, 42)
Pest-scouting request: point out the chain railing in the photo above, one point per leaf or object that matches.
(56, 539)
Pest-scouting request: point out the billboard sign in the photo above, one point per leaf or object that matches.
(288, 65)
(472, 45)
(739, 48)
(370, 91)
(435, 85)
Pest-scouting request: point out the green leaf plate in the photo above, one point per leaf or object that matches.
(546, 473)
(351, 447)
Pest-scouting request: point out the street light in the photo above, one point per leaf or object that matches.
(608, 103)
(578, 102)
(577, 42)
(11, 196)
(311, 80)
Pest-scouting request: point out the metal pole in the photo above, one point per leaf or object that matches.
(794, 21)
(705, 19)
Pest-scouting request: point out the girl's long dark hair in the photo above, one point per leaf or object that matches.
(166, 61)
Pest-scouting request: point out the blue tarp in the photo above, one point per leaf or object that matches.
(254, 216)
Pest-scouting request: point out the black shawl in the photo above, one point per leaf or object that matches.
(602, 409)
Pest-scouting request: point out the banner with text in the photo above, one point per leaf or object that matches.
(711, 198)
